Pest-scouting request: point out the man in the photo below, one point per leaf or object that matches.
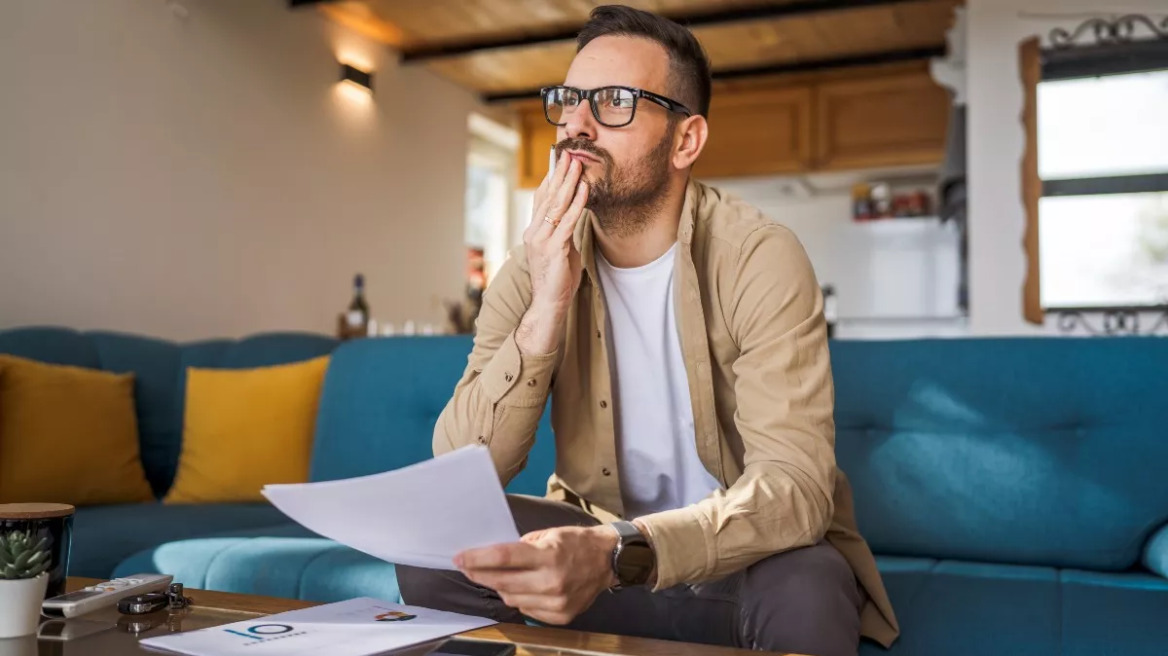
(681, 337)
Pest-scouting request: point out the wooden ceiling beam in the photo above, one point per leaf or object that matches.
(874, 59)
(741, 14)
(854, 61)
(358, 17)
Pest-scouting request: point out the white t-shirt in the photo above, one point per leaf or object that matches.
(657, 455)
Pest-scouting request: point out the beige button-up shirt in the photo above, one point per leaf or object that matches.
(750, 316)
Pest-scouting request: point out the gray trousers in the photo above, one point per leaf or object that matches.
(804, 601)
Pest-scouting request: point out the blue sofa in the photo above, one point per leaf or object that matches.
(1013, 489)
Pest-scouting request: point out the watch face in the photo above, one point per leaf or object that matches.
(635, 564)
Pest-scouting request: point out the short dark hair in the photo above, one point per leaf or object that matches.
(689, 68)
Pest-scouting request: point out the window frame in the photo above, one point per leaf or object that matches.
(1037, 65)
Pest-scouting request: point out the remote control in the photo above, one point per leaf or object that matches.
(103, 595)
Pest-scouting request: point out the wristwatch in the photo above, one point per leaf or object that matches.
(633, 559)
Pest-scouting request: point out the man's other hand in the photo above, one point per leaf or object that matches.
(551, 575)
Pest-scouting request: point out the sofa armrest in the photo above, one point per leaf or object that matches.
(1156, 552)
(309, 568)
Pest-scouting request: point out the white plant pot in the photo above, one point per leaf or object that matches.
(20, 605)
(26, 646)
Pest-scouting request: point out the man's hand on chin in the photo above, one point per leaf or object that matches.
(551, 575)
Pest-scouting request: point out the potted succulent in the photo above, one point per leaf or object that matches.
(23, 582)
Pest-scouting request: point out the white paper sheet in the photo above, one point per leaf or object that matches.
(420, 515)
(356, 627)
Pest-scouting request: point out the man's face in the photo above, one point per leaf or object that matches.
(626, 167)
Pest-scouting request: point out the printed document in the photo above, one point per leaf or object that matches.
(357, 627)
(421, 515)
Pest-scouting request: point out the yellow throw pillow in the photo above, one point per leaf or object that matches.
(246, 428)
(68, 435)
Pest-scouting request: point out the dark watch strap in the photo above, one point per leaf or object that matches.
(628, 531)
(632, 559)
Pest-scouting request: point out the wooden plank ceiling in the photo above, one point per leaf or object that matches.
(511, 47)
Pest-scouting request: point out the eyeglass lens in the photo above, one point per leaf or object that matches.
(612, 106)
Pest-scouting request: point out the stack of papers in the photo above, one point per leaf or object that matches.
(357, 627)
(421, 515)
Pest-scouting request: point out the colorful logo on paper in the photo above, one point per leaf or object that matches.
(394, 616)
(266, 632)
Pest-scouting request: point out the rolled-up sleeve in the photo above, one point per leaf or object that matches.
(514, 379)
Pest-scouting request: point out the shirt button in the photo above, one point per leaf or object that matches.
(605, 471)
(531, 383)
(508, 377)
(604, 404)
(598, 334)
(482, 440)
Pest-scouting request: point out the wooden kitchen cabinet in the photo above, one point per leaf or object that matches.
(756, 133)
(536, 138)
(891, 120)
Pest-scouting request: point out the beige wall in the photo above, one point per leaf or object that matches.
(192, 169)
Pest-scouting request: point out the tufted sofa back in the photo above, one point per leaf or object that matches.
(381, 400)
(1019, 450)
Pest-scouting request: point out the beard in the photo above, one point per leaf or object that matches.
(626, 198)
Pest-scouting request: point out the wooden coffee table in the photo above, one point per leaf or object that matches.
(216, 608)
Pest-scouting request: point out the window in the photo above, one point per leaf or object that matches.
(490, 172)
(487, 203)
(490, 186)
(1097, 188)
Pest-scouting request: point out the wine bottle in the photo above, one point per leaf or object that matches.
(830, 314)
(357, 316)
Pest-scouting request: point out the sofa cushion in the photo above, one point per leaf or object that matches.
(159, 366)
(103, 536)
(972, 609)
(279, 561)
(1025, 450)
(1107, 613)
(68, 435)
(256, 351)
(246, 428)
(1156, 552)
(381, 400)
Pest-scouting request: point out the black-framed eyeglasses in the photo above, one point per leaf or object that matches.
(612, 107)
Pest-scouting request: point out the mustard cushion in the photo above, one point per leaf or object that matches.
(246, 428)
(68, 435)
